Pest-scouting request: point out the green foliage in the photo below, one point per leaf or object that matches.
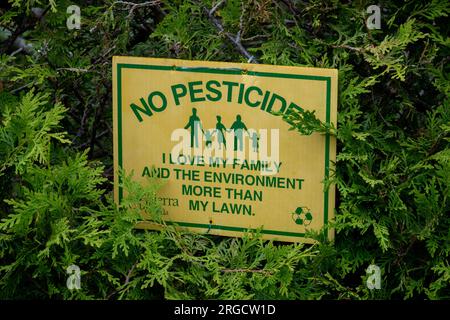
(26, 132)
(392, 169)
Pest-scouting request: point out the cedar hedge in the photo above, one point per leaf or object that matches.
(392, 170)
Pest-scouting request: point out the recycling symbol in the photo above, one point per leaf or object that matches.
(302, 216)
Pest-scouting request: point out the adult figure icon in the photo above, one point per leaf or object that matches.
(195, 126)
(238, 128)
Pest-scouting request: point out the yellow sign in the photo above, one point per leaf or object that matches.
(213, 132)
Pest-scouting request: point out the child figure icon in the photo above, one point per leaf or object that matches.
(255, 141)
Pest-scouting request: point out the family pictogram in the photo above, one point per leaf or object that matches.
(238, 128)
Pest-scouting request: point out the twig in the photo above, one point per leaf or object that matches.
(247, 270)
(135, 6)
(96, 137)
(214, 9)
(74, 69)
(234, 39)
(107, 52)
(16, 40)
(98, 111)
(16, 52)
(127, 279)
(255, 38)
(241, 25)
(22, 87)
(344, 46)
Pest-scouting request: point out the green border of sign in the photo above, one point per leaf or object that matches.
(233, 71)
